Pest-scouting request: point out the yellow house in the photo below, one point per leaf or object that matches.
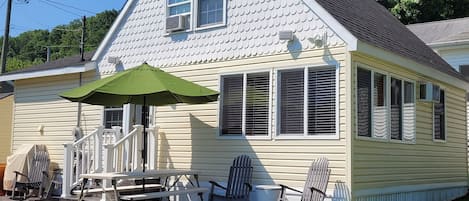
(6, 117)
(339, 79)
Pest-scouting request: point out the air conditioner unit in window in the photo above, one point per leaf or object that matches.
(429, 92)
(175, 23)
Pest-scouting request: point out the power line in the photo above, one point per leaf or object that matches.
(73, 7)
(62, 9)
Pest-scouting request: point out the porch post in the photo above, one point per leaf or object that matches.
(138, 148)
(153, 147)
(98, 155)
(67, 171)
(108, 166)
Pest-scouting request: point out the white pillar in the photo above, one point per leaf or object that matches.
(108, 166)
(152, 147)
(67, 171)
(98, 155)
(138, 148)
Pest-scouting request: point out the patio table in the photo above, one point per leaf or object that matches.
(191, 175)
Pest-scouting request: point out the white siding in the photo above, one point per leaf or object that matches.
(251, 31)
(455, 57)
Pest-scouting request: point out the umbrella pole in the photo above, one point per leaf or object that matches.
(144, 152)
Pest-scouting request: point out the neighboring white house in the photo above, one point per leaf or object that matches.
(449, 38)
(337, 79)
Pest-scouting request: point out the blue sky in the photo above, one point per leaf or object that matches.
(46, 14)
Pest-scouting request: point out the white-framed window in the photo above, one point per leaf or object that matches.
(439, 118)
(385, 106)
(113, 116)
(179, 7)
(307, 102)
(202, 13)
(210, 12)
(245, 104)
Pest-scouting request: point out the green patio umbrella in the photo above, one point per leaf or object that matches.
(142, 85)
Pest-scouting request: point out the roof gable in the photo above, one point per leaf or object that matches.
(251, 30)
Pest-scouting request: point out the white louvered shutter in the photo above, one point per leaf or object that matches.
(380, 109)
(291, 102)
(257, 104)
(321, 101)
(232, 105)
(408, 113)
(364, 102)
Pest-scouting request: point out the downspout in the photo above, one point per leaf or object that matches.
(79, 103)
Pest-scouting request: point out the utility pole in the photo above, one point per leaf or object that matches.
(6, 36)
(82, 53)
(82, 43)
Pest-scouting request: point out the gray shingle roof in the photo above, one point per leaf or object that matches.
(442, 31)
(60, 63)
(371, 23)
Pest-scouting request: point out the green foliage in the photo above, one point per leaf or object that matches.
(416, 11)
(29, 48)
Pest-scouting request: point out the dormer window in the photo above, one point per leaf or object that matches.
(179, 7)
(210, 12)
(181, 15)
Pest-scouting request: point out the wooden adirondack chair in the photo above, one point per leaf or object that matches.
(239, 181)
(316, 182)
(36, 177)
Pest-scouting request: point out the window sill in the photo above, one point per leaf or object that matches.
(167, 34)
(301, 137)
(439, 141)
(211, 26)
(233, 137)
(384, 140)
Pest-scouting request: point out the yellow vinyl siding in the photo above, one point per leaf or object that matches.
(390, 164)
(189, 139)
(6, 116)
(37, 103)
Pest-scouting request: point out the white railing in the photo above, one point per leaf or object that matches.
(85, 156)
(107, 150)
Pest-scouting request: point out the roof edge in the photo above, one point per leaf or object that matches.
(449, 43)
(112, 30)
(49, 72)
(336, 26)
(412, 65)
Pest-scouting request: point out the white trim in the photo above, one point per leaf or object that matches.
(305, 135)
(408, 188)
(448, 44)
(412, 65)
(50, 72)
(336, 26)
(445, 117)
(212, 25)
(113, 29)
(243, 135)
(389, 76)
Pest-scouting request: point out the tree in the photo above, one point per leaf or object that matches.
(29, 48)
(416, 11)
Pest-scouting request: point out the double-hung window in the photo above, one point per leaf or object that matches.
(179, 7)
(210, 12)
(307, 102)
(245, 100)
(113, 116)
(439, 118)
(202, 13)
(385, 106)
